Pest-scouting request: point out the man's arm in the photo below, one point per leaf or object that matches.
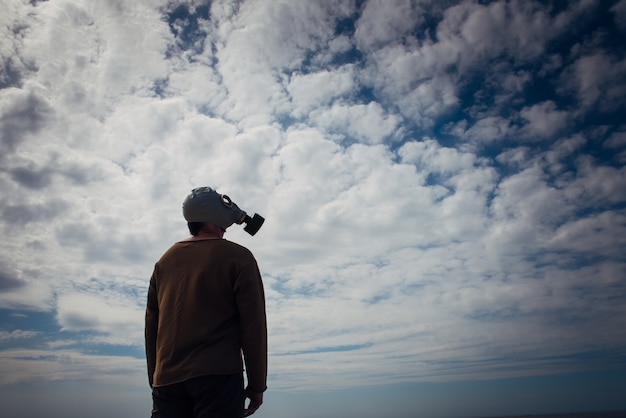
(151, 327)
(250, 298)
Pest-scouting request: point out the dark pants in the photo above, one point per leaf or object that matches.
(215, 396)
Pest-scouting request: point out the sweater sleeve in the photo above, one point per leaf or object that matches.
(151, 327)
(250, 299)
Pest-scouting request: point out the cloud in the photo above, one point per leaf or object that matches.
(382, 23)
(255, 89)
(119, 321)
(485, 130)
(16, 335)
(313, 90)
(616, 140)
(619, 10)
(544, 120)
(597, 79)
(49, 366)
(8, 279)
(364, 123)
(23, 113)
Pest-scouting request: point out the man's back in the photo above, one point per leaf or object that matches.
(205, 305)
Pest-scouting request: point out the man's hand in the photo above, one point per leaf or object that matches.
(256, 400)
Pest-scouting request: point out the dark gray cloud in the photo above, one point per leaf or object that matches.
(78, 322)
(36, 178)
(32, 178)
(8, 278)
(98, 245)
(22, 214)
(9, 74)
(26, 114)
(14, 66)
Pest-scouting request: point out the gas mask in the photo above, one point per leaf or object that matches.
(204, 204)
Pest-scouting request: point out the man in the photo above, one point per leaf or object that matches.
(205, 309)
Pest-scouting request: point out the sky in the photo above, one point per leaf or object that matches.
(443, 183)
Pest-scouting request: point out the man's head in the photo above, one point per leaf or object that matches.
(205, 205)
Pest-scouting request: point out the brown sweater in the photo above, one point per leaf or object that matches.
(205, 307)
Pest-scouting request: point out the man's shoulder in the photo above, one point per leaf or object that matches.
(236, 248)
(213, 249)
(220, 244)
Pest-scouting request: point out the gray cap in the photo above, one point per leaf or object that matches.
(204, 204)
